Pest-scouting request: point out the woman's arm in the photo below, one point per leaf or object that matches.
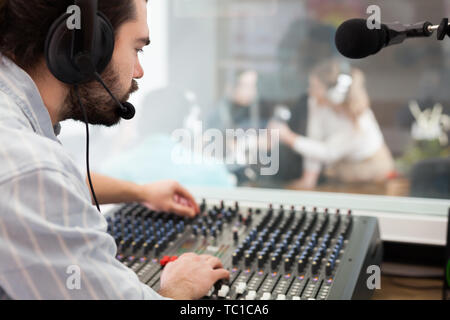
(329, 151)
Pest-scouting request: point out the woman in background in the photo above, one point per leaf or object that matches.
(343, 137)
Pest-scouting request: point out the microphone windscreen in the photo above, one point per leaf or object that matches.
(355, 40)
(127, 111)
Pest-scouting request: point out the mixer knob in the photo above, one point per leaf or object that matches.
(261, 261)
(203, 206)
(315, 266)
(228, 216)
(235, 257)
(157, 249)
(248, 258)
(274, 261)
(235, 235)
(248, 221)
(287, 264)
(329, 268)
(301, 265)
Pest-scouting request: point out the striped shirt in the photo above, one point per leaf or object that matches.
(53, 243)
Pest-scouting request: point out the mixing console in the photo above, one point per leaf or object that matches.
(272, 252)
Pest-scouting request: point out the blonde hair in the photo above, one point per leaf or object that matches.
(357, 100)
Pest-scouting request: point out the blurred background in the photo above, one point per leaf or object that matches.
(258, 64)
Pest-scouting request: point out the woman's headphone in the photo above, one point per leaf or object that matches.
(80, 55)
(338, 93)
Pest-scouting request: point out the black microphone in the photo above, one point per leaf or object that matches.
(355, 40)
(125, 110)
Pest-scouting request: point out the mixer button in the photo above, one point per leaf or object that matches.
(251, 295)
(281, 297)
(266, 296)
(295, 298)
(165, 260)
(240, 288)
(224, 291)
(210, 292)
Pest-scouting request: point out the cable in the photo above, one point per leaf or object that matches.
(83, 110)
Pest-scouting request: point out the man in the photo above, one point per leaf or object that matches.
(47, 222)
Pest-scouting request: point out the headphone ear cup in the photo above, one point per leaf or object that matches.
(58, 50)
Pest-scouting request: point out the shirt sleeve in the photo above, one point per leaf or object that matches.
(54, 244)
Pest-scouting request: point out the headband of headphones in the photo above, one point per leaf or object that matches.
(339, 92)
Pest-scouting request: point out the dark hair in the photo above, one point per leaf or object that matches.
(24, 24)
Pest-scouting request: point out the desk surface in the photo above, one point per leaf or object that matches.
(395, 187)
(396, 288)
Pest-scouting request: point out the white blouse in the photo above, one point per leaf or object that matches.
(332, 137)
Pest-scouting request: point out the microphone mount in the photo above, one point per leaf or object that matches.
(443, 29)
(398, 32)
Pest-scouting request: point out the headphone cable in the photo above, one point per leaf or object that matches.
(83, 110)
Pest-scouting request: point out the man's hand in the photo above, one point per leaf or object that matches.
(191, 276)
(169, 196)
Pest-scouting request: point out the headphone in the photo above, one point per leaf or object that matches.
(79, 56)
(339, 92)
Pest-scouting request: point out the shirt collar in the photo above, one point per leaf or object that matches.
(17, 84)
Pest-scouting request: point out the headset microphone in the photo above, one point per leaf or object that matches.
(125, 110)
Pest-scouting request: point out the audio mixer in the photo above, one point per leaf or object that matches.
(273, 252)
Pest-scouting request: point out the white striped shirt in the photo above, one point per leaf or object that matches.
(47, 221)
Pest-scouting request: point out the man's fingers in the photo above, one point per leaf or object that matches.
(183, 210)
(214, 262)
(219, 274)
(186, 194)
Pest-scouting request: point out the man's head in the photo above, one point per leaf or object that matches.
(23, 29)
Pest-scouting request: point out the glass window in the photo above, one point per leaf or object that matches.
(254, 93)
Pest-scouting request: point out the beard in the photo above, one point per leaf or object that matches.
(101, 109)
